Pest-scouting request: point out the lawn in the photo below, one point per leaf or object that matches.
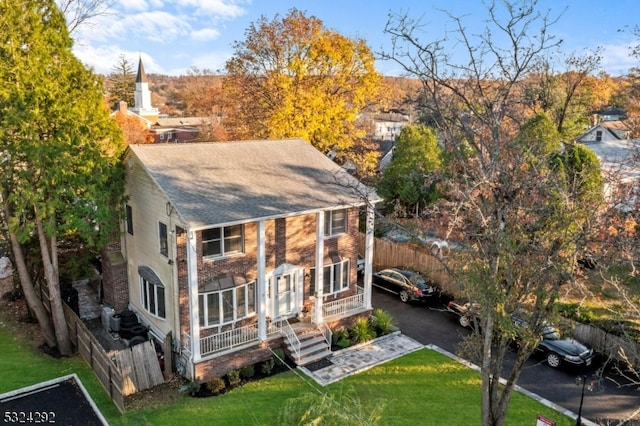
(424, 388)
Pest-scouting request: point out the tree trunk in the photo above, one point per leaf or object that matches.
(50, 270)
(33, 301)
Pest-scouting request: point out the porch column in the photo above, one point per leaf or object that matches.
(368, 256)
(192, 253)
(317, 313)
(261, 284)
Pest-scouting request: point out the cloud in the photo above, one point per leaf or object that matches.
(617, 59)
(136, 5)
(217, 8)
(205, 34)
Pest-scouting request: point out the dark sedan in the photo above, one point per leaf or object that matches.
(559, 350)
(409, 285)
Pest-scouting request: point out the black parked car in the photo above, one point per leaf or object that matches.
(559, 350)
(409, 285)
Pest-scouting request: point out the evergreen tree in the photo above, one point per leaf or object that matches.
(60, 150)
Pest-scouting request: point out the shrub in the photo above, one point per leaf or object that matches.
(361, 331)
(247, 372)
(216, 385)
(382, 321)
(278, 356)
(267, 366)
(233, 377)
(341, 338)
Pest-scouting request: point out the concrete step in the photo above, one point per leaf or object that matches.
(313, 347)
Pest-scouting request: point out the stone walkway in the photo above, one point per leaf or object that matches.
(356, 359)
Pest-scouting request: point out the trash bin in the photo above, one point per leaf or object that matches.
(71, 298)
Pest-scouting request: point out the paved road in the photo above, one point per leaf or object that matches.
(606, 404)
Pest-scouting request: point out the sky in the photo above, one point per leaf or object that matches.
(172, 36)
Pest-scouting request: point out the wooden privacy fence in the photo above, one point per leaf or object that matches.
(607, 344)
(94, 354)
(387, 254)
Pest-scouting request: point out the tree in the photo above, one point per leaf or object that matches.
(81, 12)
(291, 77)
(133, 130)
(122, 82)
(410, 176)
(60, 173)
(566, 97)
(522, 226)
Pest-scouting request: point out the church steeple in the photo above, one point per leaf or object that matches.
(141, 77)
(143, 96)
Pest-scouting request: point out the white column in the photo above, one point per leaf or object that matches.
(192, 265)
(368, 256)
(261, 284)
(317, 313)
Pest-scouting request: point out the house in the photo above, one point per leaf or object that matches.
(606, 131)
(221, 245)
(179, 129)
(387, 126)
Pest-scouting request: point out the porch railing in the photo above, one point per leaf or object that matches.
(236, 337)
(344, 307)
(292, 337)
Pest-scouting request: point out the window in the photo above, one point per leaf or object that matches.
(227, 304)
(335, 222)
(335, 277)
(164, 242)
(152, 296)
(129, 218)
(598, 135)
(224, 241)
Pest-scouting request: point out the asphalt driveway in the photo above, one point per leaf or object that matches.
(606, 402)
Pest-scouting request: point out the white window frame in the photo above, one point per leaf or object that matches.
(336, 276)
(163, 240)
(223, 239)
(149, 298)
(245, 294)
(330, 228)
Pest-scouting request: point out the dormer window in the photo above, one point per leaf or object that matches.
(598, 135)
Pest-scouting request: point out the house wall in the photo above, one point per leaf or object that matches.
(288, 240)
(149, 207)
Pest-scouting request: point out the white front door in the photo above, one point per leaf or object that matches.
(284, 292)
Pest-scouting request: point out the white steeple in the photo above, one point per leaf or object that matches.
(143, 95)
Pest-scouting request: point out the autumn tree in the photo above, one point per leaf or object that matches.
(292, 77)
(133, 129)
(567, 97)
(522, 226)
(411, 178)
(60, 151)
(122, 82)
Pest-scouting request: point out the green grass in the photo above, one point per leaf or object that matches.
(424, 388)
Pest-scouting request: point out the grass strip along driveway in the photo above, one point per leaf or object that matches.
(423, 388)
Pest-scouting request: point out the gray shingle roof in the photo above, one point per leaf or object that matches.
(217, 183)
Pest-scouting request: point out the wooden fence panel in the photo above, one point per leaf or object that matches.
(387, 254)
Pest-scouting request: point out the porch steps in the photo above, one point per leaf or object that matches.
(313, 347)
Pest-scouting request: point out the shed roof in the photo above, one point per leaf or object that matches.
(218, 183)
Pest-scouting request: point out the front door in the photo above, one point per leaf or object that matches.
(284, 292)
